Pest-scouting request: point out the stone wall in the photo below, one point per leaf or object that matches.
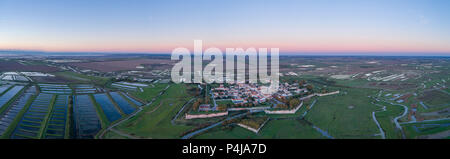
(201, 116)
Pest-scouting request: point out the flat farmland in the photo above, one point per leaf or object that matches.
(149, 92)
(428, 130)
(124, 65)
(155, 121)
(345, 115)
(386, 119)
(15, 66)
(274, 129)
(435, 98)
(80, 78)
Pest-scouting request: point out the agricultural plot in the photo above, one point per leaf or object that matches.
(122, 65)
(435, 98)
(6, 97)
(10, 114)
(16, 66)
(274, 129)
(123, 104)
(81, 78)
(155, 121)
(85, 89)
(137, 103)
(34, 118)
(149, 92)
(86, 120)
(385, 117)
(108, 107)
(346, 115)
(428, 130)
(56, 126)
(55, 89)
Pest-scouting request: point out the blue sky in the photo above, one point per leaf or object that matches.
(162, 25)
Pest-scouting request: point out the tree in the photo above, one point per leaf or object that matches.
(294, 102)
(302, 82)
(206, 100)
(310, 87)
(282, 106)
(196, 105)
(221, 107)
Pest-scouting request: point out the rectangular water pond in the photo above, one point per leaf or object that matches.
(122, 103)
(108, 107)
(87, 123)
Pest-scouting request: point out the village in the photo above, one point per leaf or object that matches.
(219, 99)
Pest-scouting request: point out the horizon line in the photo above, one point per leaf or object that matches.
(304, 53)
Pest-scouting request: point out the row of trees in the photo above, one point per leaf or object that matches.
(292, 103)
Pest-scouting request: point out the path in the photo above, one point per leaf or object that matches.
(423, 105)
(181, 110)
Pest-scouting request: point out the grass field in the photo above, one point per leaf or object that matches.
(435, 98)
(113, 135)
(274, 129)
(346, 115)
(386, 120)
(155, 121)
(224, 102)
(83, 78)
(149, 92)
(299, 113)
(426, 128)
(447, 90)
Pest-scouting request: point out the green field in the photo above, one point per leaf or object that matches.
(274, 129)
(224, 102)
(435, 98)
(83, 78)
(155, 121)
(432, 127)
(149, 92)
(386, 120)
(298, 114)
(113, 135)
(346, 115)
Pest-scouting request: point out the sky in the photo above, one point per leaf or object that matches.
(294, 26)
